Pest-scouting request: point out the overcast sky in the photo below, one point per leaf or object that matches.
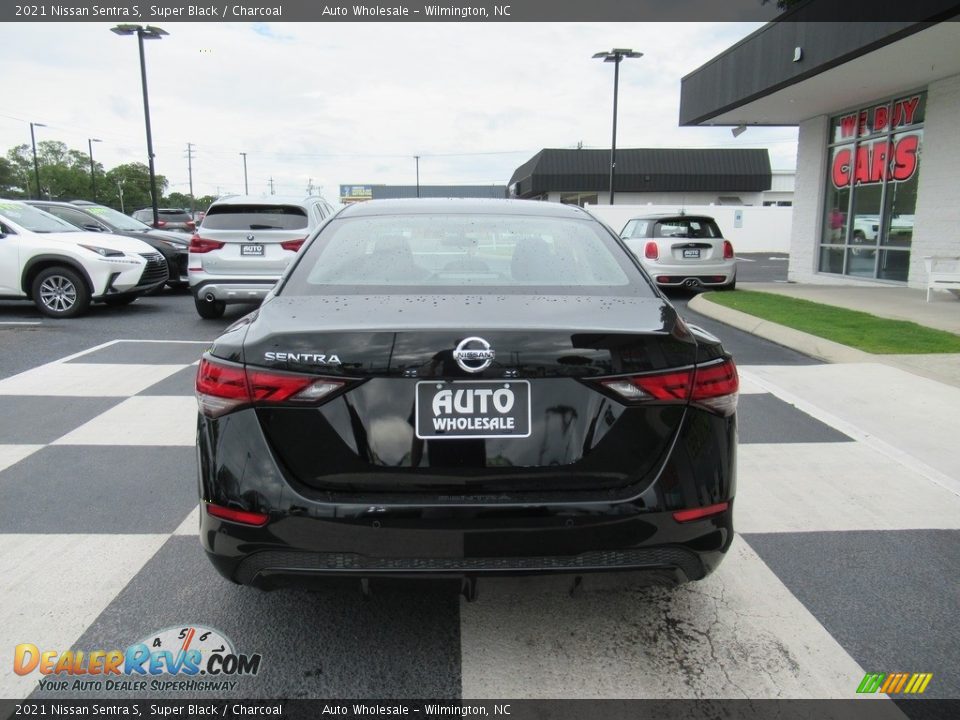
(354, 102)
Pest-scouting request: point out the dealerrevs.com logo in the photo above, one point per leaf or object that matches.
(190, 658)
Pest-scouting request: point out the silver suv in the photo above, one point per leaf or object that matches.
(244, 244)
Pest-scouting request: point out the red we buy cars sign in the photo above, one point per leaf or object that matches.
(881, 159)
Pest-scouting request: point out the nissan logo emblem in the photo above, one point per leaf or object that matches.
(474, 354)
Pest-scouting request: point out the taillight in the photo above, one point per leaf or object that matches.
(714, 386)
(651, 251)
(700, 512)
(191, 224)
(161, 223)
(293, 245)
(727, 250)
(244, 517)
(202, 245)
(223, 388)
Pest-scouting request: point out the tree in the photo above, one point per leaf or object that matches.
(177, 200)
(64, 173)
(134, 179)
(12, 184)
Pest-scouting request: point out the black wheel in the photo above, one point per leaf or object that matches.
(210, 309)
(120, 301)
(60, 292)
(732, 285)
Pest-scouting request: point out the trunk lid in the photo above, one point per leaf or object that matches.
(379, 435)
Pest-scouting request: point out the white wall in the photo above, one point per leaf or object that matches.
(937, 228)
(764, 229)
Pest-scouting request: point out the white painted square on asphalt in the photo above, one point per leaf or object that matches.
(141, 420)
(11, 454)
(808, 487)
(190, 524)
(740, 633)
(54, 586)
(86, 380)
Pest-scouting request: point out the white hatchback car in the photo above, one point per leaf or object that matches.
(63, 269)
(244, 244)
(682, 251)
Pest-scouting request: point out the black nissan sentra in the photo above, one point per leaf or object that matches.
(460, 388)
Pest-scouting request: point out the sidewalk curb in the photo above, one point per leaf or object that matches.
(817, 347)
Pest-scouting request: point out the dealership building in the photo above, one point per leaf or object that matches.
(658, 176)
(878, 159)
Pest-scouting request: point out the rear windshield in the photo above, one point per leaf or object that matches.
(464, 252)
(255, 217)
(687, 228)
(175, 215)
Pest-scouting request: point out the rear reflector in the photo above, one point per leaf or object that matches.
(202, 245)
(651, 251)
(244, 517)
(223, 387)
(700, 513)
(293, 245)
(715, 386)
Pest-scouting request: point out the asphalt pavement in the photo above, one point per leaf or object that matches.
(845, 560)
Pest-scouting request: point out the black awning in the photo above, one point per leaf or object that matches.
(644, 170)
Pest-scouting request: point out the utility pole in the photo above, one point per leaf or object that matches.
(193, 204)
(246, 187)
(417, 158)
(120, 193)
(309, 187)
(93, 174)
(271, 185)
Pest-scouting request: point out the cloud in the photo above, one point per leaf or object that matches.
(353, 102)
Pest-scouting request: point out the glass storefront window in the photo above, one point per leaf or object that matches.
(871, 190)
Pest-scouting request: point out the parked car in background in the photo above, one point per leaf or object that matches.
(682, 251)
(98, 218)
(465, 388)
(63, 269)
(167, 219)
(245, 243)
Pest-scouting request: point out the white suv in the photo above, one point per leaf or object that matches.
(244, 244)
(63, 269)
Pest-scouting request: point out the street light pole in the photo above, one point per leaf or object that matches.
(417, 158)
(246, 187)
(615, 56)
(36, 165)
(93, 174)
(149, 33)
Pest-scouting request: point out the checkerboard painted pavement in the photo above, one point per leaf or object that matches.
(845, 562)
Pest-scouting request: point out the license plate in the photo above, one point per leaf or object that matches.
(695, 253)
(472, 409)
(251, 250)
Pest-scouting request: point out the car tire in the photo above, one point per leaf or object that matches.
(60, 292)
(732, 285)
(119, 301)
(210, 309)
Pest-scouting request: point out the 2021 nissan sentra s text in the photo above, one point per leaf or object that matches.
(464, 388)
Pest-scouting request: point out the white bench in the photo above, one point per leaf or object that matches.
(943, 273)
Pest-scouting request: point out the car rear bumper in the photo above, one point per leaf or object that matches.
(704, 274)
(232, 290)
(313, 534)
(443, 544)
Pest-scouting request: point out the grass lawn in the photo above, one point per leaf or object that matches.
(857, 329)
